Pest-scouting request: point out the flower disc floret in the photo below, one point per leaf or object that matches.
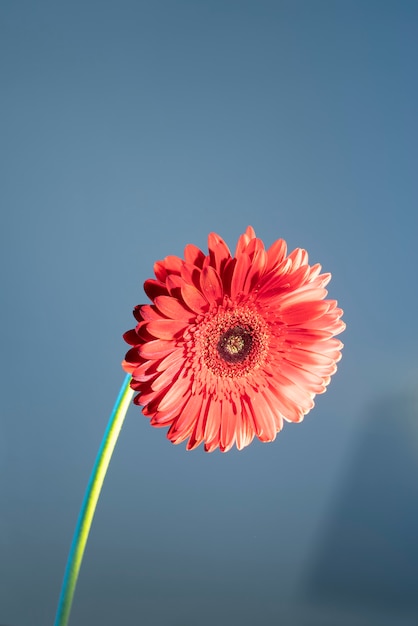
(232, 343)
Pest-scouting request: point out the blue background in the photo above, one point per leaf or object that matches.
(129, 129)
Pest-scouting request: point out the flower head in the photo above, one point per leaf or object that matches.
(233, 345)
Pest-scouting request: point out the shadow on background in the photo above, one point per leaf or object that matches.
(366, 561)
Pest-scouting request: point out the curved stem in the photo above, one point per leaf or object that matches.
(91, 498)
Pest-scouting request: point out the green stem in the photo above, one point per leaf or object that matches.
(91, 497)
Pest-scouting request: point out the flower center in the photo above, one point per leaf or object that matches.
(231, 342)
(235, 345)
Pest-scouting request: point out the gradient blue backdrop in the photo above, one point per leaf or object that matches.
(129, 129)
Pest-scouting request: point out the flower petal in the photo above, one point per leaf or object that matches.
(264, 419)
(193, 255)
(193, 298)
(228, 425)
(218, 252)
(154, 288)
(213, 421)
(167, 377)
(172, 308)
(156, 349)
(186, 421)
(276, 254)
(211, 285)
(300, 313)
(241, 269)
(166, 329)
(180, 389)
(243, 241)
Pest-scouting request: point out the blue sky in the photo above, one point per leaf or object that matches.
(129, 129)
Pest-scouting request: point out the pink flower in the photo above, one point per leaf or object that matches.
(233, 345)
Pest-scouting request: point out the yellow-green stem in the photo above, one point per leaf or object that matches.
(91, 498)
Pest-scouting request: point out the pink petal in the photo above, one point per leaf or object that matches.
(243, 241)
(180, 389)
(174, 284)
(190, 274)
(193, 255)
(276, 254)
(166, 329)
(186, 421)
(149, 312)
(131, 337)
(245, 430)
(160, 271)
(172, 308)
(154, 288)
(298, 257)
(228, 425)
(194, 299)
(128, 367)
(166, 378)
(156, 349)
(213, 421)
(256, 270)
(176, 356)
(173, 264)
(218, 251)
(211, 285)
(241, 269)
(300, 313)
(198, 434)
(302, 295)
(303, 378)
(264, 419)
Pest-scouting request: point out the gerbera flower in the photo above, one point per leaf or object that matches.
(232, 346)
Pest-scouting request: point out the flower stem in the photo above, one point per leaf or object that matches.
(91, 498)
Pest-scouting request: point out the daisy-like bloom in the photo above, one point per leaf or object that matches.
(233, 345)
